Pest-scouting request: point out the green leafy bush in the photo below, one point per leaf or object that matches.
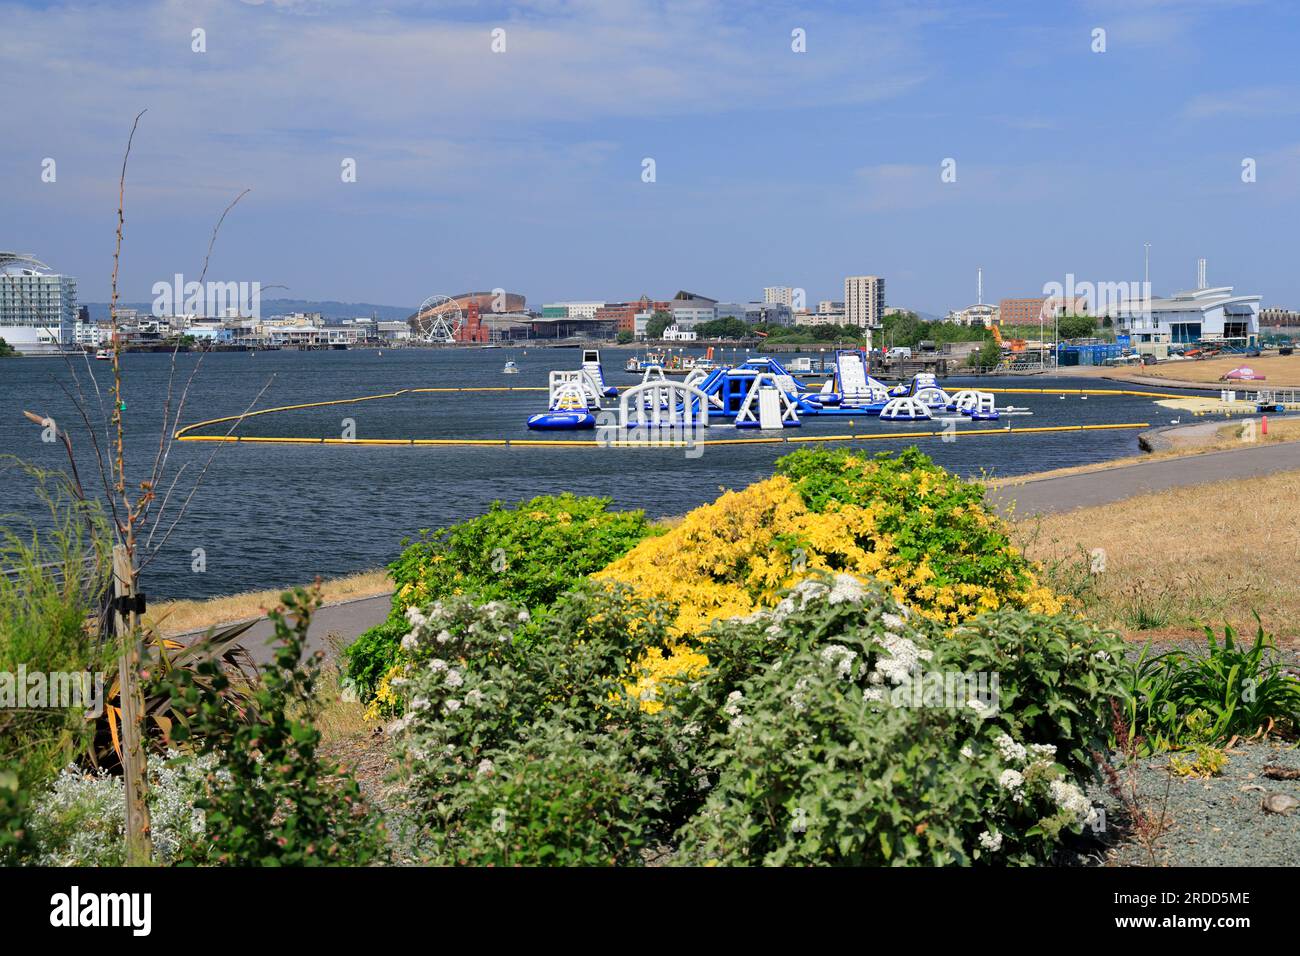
(16, 843)
(47, 610)
(274, 801)
(544, 731)
(843, 731)
(559, 797)
(528, 554)
(1176, 699)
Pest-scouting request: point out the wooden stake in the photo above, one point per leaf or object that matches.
(139, 841)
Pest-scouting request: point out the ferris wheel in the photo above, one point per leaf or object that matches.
(438, 319)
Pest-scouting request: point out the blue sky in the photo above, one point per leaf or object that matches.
(522, 169)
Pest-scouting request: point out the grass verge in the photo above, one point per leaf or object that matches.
(1169, 560)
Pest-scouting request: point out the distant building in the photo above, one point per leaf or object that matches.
(831, 305)
(623, 315)
(38, 306)
(690, 310)
(769, 313)
(89, 334)
(864, 302)
(675, 334)
(819, 318)
(1027, 311)
(732, 310)
(1275, 316)
(1196, 315)
(394, 331)
(779, 295)
(981, 314)
(572, 310)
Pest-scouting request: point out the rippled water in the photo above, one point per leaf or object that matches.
(271, 515)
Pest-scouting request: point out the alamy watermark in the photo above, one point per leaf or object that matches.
(978, 690)
(1131, 299)
(689, 435)
(216, 300)
(52, 690)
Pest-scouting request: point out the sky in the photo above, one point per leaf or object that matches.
(1072, 134)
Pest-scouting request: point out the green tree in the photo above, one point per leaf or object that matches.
(1076, 326)
(726, 327)
(988, 356)
(903, 328)
(624, 337)
(7, 350)
(654, 329)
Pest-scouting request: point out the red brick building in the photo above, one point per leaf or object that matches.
(624, 313)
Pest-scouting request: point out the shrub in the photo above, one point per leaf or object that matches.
(274, 801)
(924, 534)
(543, 729)
(558, 797)
(16, 843)
(529, 554)
(81, 819)
(47, 622)
(1176, 699)
(835, 742)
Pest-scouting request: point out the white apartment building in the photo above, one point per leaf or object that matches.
(779, 295)
(864, 301)
(90, 334)
(38, 307)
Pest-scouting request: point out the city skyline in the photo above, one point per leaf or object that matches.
(525, 168)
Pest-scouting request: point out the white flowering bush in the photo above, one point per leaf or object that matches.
(81, 819)
(532, 752)
(824, 730)
(838, 735)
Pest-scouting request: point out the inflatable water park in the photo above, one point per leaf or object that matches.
(759, 393)
(760, 396)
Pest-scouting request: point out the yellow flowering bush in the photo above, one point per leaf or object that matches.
(901, 520)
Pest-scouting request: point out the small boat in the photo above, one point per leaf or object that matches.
(104, 355)
(562, 421)
(510, 369)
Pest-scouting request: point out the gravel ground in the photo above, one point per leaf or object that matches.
(1209, 822)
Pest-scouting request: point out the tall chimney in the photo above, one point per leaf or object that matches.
(1200, 274)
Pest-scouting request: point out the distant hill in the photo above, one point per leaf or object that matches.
(329, 309)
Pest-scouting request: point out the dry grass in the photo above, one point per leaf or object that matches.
(1281, 371)
(1280, 429)
(1172, 559)
(181, 617)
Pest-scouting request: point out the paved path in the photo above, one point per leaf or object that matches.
(347, 620)
(1065, 493)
